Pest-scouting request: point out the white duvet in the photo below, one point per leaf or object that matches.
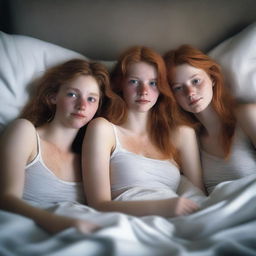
(226, 225)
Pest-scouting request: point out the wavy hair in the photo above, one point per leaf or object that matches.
(164, 115)
(39, 110)
(223, 103)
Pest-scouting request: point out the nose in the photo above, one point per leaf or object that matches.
(189, 91)
(143, 89)
(81, 103)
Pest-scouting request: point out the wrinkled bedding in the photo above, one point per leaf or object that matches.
(225, 225)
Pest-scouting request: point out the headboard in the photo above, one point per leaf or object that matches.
(101, 29)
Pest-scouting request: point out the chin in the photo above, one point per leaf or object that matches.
(144, 110)
(78, 125)
(198, 110)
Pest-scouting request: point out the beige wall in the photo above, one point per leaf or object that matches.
(101, 29)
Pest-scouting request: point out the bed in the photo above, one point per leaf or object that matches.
(38, 34)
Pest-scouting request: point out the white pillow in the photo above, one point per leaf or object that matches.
(23, 60)
(237, 56)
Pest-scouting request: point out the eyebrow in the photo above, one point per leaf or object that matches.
(188, 79)
(94, 94)
(132, 76)
(77, 90)
(72, 88)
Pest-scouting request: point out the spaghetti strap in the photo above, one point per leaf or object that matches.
(118, 146)
(38, 153)
(116, 137)
(38, 145)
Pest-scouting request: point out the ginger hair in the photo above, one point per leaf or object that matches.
(164, 115)
(223, 102)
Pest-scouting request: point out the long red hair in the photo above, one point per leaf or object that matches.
(164, 116)
(40, 110)
(223, 102)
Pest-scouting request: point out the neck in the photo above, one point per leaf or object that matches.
(210, 121)
(137, 123)
(59, 136)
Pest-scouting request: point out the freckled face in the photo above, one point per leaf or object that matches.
(140, 87)
(192, 88)
(77, 101)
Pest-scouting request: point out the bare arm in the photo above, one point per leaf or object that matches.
(18, 147)
(97, 148)
(246, 117)
(186, 142)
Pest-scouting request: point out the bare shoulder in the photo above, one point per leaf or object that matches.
(246, 116)
(244, 110)
(100, 124)
(20, 127)
(19, 133)
(245, 106)
(23, 124)
(186, 130)
(99, 121)
(99, 132)
(100, 129)
(183, 134)
(246, 119)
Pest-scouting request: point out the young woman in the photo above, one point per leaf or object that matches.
(198, 86)
(132, 164)
(38, 165)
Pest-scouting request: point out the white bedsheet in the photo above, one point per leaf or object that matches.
(226, 225)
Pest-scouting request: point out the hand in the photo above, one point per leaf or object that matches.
(57, 223)
(84, 226)
(184, 206)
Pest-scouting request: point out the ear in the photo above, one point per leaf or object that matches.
(53, 99)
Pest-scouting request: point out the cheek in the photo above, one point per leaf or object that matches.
(208, 90)
(180, 99)
(63, 103)
(93, 109)
(156, 94)
(128, 92)
(154, 91)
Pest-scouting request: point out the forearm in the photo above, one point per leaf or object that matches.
(198, 182)
(47, 220)
(164, 207)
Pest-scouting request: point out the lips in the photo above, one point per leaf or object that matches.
(193, 102)
(78, 115)
(142, 101)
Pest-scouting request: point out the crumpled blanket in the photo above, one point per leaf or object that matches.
(225, 225)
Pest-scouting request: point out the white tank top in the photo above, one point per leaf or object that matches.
(43, 187)
(241, 162)
(129, 170)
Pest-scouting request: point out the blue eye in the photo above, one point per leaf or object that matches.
(153, 83)
(72, 94)
(133, 81)
(92, 99)
(196, 81)
(177, 88)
